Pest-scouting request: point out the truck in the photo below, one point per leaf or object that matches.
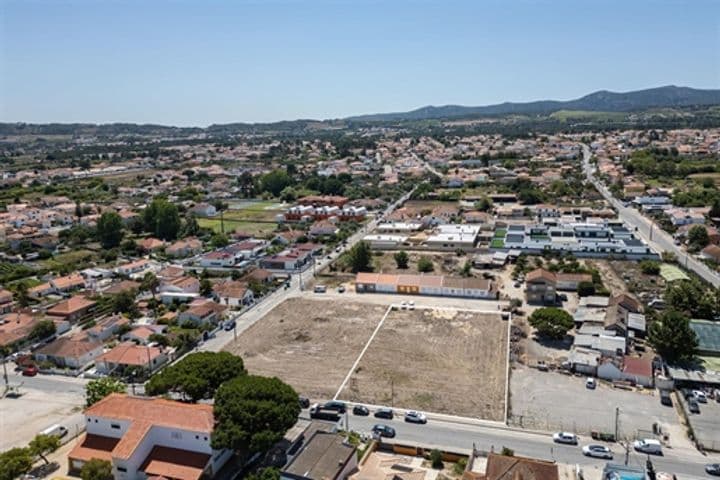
(320, 412)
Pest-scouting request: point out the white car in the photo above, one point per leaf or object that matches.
(590, 383)
(565, 437)
(411, 305)
(415, 417)
(403, 305)
(648, 445)
(700, 396)
(597, 451)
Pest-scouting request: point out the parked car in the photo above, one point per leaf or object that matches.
(361, 410)
(565, 437)
(411, 305)
(597, 451)
(648, 445)
(304, 402)
(693, 407)
(386, 413)
(229, 325)
(700, 396)
(403, 305)
(415, 417)
(384, 431)
(341, 289)
(665, 398)
(713, 468)
(30, 371)
(590, 383)
(320, 289)
(55, 431)
(339, 407)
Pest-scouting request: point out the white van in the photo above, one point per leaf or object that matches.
(55, 431)
(648, 445)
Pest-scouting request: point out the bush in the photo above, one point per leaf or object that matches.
(585, 289)
(460, 466)
(436, 459)
(508, 452)
(425, 265)
(650, 267)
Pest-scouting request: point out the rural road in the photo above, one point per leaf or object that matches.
(651, 233)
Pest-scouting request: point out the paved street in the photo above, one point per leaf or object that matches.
(657, 238)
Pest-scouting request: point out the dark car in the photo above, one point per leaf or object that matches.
(385, 413)
(384, 431)
(693, 406)
(361, 410)
(304, 402)
(713, 468)
(339, 407)
(229, 325)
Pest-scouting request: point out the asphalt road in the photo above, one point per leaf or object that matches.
(538, 445)
(651, 233)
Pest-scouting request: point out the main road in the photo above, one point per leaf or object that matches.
(651, 233)
(685, 463)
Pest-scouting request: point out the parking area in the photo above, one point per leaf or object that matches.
(438, 360)
(44, 401)
(706, 424)
(553, 401)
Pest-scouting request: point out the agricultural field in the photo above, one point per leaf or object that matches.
(257, 218)
(309, 344)
(437, 360)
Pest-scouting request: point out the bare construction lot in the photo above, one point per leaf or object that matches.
(309, 344)
(436, 360)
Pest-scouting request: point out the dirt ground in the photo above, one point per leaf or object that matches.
(309, 344)
(642, 285)
(444, 361)
(443, 263)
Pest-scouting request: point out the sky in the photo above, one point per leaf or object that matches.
(202, 62)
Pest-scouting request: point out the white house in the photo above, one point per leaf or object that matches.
(149, 437)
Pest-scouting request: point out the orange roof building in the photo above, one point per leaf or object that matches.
(146, 437)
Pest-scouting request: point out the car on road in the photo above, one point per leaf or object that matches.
(566, 438)
(597, 451)
(693, 407)
(383, 430)
(339, 407)
(590, 383)
(385, 413)
(415, 417)
(361, 410)
(30, 371)
(648, 445)
(229, 325)
(713, 468)
(320, 289)
(55, 431)
(341, 289)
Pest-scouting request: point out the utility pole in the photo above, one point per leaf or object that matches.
(617, 422)
(392, 392)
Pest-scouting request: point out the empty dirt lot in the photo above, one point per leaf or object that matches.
(443, 361)
(309, 344)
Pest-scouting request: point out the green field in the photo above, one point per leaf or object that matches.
(497, 243)
(565, 115)
(79, 258)
(671, 273)
(255, 228)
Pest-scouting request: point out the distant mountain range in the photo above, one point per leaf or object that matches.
(601, 101)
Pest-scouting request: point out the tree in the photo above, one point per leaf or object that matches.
(43, 329)
(97, 389)
(110, 230)
(484, 204)
(96, 469)
(206, 287)
(436, 459)
(359, 257)
(275, 182)
(401, 259)
(21, 294)
(265, 474)
(715, 209)
(15, 462)
(41, 445)
(698, 237)
(551, 322)
(253, 413)
(198, 375)
(585, 289)
(672, 337)
(650, 267)
(425, 265)
(124, 302)
(466, 270)
(219, 240)
(150, 283)
(162, 219)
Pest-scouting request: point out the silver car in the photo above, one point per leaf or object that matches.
(597, 451)
(565, 437)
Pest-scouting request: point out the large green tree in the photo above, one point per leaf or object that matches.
(15, 462)
(698, 237)
(402, 259)
(162, 219)
(96, 469)
(110, 230)
(43, 329)
(672, 337)
(253, 413)
(551, 322)
(275, 182)
(197, 376)
(97, 389)
(41, 445)
(360, 257)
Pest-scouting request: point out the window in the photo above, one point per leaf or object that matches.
(176, 435)
(116, 426)
(122, 469)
